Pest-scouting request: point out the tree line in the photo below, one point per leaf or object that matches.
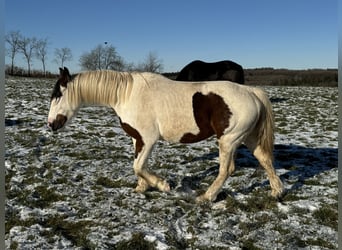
(32, 48)
(102, 56)
(287, 77)
(105, 56)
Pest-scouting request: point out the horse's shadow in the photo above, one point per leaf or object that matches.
(303, 163)
(12, 122)
(277, 99)
(295, 163)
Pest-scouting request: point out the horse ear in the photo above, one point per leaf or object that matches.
(66, 71)
(64, 76)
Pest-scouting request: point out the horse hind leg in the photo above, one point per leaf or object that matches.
(265, 158)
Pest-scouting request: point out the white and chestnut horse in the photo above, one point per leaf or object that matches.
(152, 107)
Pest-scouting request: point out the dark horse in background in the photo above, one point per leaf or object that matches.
(203, 71)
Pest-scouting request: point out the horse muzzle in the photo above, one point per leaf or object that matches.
(58, 123)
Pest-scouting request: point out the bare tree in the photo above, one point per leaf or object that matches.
(102, 57)
(41, 51)
(62, 55)
(88, 62)
(13, 38)
(151, 64)
(27, 46)
(130, 67)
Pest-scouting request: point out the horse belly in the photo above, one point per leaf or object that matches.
(172, 127)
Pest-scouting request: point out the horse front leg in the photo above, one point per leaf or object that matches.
(146, 179)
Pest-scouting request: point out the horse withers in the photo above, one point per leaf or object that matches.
(152, 107)
(213, 71)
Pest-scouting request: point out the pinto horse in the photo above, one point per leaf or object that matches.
(204, 71)
(152, 107)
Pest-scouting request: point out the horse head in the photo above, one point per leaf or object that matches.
(61, 108)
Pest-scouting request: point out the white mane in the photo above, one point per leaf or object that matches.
(101, 87)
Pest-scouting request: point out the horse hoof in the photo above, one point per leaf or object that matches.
(139, 190)
(278, 193)
(165, 187)
(142, 185)
(201, 199)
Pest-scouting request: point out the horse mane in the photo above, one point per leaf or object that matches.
(102, 86)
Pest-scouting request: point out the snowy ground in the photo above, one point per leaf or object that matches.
(74, 190)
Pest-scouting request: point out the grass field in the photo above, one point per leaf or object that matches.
(75, 189)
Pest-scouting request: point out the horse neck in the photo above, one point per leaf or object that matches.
(107, 88)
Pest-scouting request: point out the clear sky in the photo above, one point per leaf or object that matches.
(294, 34)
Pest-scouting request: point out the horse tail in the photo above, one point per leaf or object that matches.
(265, 125)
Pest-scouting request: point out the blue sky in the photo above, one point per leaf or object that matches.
(294, 34)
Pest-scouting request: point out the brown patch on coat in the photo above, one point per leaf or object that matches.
(212, 116)
(139, 143)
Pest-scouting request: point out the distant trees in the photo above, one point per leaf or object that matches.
(27, 46)
(41, 52)
(151, 64)
(106, 57)
(102, 57)
(62, 55)
(286, 77)
(30, 48)
(13, 39)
